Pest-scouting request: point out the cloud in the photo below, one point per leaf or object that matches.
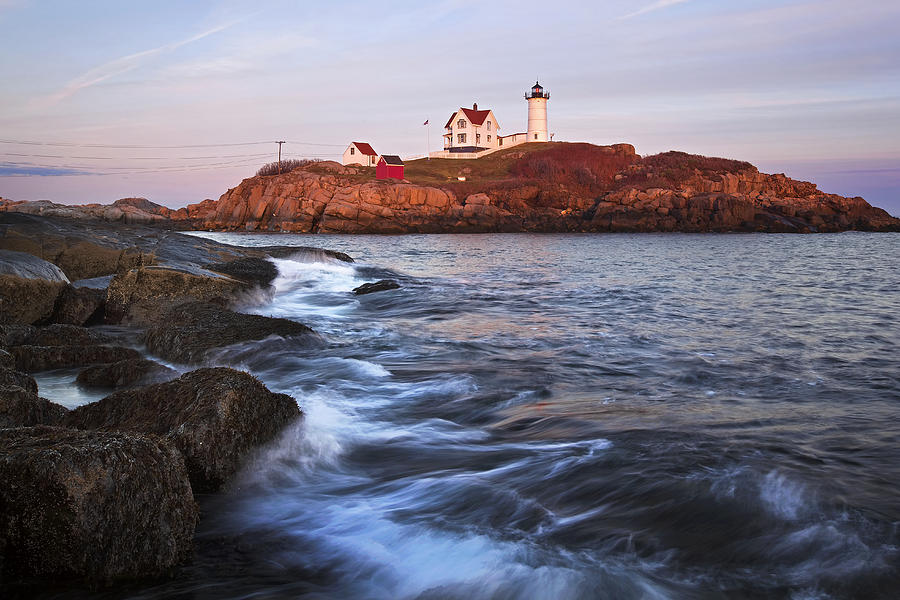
(120, 66)
(20, 170)
(658, 5)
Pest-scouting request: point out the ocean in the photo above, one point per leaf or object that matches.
(571, 416)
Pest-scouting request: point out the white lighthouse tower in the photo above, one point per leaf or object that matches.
(537, 114)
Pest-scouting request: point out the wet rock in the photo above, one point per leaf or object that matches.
(378, 286)
(43, 358)
(79, 305)
(11, 377)
(305, 252)
(187, 332)
(141, 296)
(15, 335)
(91, 506)
(213, 416)
(251, 269)
(29, 287)
(65, 335)
(28, 266)
(124, 373)
(20, 407)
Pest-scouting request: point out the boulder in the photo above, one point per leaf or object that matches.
(28, 266)
(378, 286)
(251, 269)
(20, 407)
(79, 305)
(124, 373)
(213, 416)
(140, 296)
(43, 358)
(188, 331)
(91, 506)
(29, 287)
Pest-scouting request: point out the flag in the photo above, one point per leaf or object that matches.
(426, 122)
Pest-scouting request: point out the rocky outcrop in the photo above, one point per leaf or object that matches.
(91, 506)
(213, 416)
(378, 286)
(127, 210)
(187, 332)
(542, 187)
(556, 187)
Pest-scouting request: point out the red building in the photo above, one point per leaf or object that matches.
(389, 167)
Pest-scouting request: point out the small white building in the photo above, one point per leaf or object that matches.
(471, 130)
(360, 153)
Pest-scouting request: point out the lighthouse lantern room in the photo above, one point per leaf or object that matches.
(537, 114)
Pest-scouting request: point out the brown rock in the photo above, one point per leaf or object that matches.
(9, 377)
(188, 331)
(91, 506)
(140, 296)
(23, 408)
(213, 416)
(64, 335)
(43, 358)
(129, 372)
(79, 305)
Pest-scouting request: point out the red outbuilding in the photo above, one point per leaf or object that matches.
(389, 167)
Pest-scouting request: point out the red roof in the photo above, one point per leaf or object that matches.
(476, 117)
(365, 148)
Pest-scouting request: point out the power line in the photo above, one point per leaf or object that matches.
(135, 157)
(129, 146)
(148, 147)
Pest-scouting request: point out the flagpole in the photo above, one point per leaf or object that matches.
(427, 141)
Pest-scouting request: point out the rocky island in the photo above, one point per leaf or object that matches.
(537, 187)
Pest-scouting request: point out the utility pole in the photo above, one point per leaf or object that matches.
(279, 155)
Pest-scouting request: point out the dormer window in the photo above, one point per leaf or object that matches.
(461, 123)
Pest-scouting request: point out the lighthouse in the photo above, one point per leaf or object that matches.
(537, 114)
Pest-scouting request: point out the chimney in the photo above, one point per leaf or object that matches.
(474, 106)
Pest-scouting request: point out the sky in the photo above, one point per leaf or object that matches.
(178, 101)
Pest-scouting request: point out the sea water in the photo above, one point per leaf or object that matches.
(571, 416)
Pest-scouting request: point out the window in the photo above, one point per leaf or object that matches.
(461, 138)
(489, 125)
(461, 123)
(352, 150)
(489, 139)
(500, 140)
(535, 136)
(477, 138)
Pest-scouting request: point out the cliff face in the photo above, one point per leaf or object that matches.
(554, 187)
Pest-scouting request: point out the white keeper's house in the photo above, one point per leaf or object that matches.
(470, 132)
(360, 153)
